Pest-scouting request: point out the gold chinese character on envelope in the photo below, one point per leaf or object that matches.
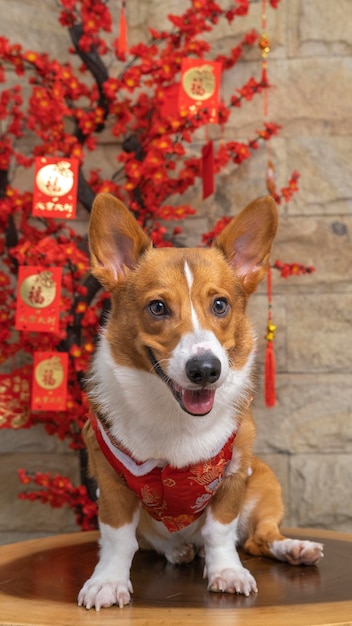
(49, 384)
(55, 187)
(15, 398)
(38, 298)
(199, 89)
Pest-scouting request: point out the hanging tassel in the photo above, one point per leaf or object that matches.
(122, 47)
(264, 45)
(270, 395)
(269, 377)
(264, 82)
(208, 169)
(269, 372)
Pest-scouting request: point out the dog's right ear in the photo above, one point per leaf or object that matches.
(115, 240)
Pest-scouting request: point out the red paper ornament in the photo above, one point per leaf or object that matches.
(49, 384)
(170, 106)
(199, 89)
(55, 187)
(269, 376)
(122, 47)
(14, 398)
(38, 298)
(208, 169)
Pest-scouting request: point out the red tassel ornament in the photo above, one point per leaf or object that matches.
(122, 47)
(208, 169)
(264, 45)
(269, 376)
(270, 394)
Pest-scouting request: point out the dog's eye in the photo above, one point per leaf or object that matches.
(220, 306)
(158, 308)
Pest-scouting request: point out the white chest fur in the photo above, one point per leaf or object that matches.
(146, 418)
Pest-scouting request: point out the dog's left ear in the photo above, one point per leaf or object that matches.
(116, 241)
(246, 241)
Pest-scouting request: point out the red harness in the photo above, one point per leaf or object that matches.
(174, 496)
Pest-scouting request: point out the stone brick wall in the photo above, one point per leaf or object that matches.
(307, 437)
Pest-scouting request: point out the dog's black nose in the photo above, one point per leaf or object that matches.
(203, 369)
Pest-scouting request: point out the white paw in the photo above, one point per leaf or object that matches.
(233, 580)
(100, 593)
(297, 551)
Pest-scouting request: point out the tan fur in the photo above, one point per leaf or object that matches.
(228, 500)
(267, 515)
(105, 239)
(137, 290)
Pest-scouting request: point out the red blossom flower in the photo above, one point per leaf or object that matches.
(251, 37)
(292, 269)
(58, 491)
(251, 88)
(208, 238)
(287, 192)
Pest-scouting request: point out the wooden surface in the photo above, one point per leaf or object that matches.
(40, 580)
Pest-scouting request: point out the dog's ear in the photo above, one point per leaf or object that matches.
(115, 240)
(246, 241)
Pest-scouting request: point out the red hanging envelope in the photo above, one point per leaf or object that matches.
(38, 298)
(49, 384)
(200, 83)
(55, 187)
(14, 398)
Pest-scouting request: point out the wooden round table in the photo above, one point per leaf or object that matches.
(40, 580)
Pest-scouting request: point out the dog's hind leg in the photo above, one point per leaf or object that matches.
(261, 516)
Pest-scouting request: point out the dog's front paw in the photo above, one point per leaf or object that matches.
(297, 551)
(232, 580)
(100, 593)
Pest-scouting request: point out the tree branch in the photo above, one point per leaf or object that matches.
(93, 62)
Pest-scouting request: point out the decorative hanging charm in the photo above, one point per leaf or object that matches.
(199, 89)
(49, 385)
(55, 187)
(122, 46)
(264, 45)
(269, 375)
(14, 398)
(169, 106)
(208, 169)
(269, 382)
(38, 298)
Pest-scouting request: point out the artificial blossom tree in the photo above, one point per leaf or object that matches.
(63, 107)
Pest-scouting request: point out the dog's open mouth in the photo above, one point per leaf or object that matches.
(193, 401)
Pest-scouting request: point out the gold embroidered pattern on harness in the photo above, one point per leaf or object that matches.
(207, 473)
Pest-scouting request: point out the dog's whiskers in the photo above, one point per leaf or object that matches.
(158, 365)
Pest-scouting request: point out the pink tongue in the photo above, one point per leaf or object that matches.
(198, 402)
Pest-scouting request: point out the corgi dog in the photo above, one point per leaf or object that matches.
(170, 433)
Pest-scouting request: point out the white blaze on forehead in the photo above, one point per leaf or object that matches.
(195, 343)
(189, 278)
